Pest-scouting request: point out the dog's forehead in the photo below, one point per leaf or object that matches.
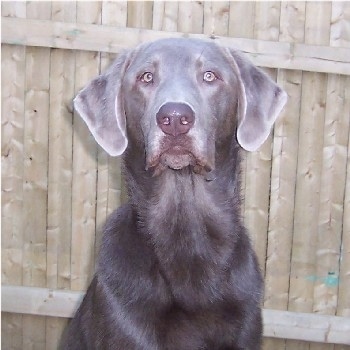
(178, 51)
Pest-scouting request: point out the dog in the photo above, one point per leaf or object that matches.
(176, 269)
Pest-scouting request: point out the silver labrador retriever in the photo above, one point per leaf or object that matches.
(176, 269)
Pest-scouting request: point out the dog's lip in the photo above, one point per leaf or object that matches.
(198, 161)
(177, 151)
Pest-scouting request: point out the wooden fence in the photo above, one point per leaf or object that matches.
(58, 186)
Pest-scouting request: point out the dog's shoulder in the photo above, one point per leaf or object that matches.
(124, 248)
(120, 220)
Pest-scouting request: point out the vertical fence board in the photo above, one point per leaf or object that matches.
(307, 194)
(35, 180)
(114, 13)
(258, 164)
(333, 182)
(216, 17)
(190, 17)
(283, 179)
(328, 245)
(240, 29)
(165, 15)
(140, 14)
(84, 165)
(12, 139)
(331, 197)
(292, 22)
(340, 36)
(115, 183)
(12, 221)
(60, 151)
(314, 90)
(158, 15)
(283, 173)
(343, 306)
(109, 172)
(267, 20)
(237, 27)
(102, 186)
(59, 219)
(13, 9)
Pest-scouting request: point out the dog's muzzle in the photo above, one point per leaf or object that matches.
(175, 120)
(176, 149)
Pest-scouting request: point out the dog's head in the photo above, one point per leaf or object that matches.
(178, 99)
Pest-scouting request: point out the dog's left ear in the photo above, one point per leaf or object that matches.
(259, 104)
(101, 107)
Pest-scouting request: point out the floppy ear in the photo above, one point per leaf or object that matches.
(101, 107)
(260, 102)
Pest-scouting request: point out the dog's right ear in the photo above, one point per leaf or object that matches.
(101, 107)
(260, 101)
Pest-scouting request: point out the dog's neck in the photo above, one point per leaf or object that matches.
(181, 200)
(187, 217)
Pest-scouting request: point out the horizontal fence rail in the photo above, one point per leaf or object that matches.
(277, 324)
(104, 38)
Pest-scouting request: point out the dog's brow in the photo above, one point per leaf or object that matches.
(201, 54)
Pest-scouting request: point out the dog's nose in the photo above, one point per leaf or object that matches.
(175, 118)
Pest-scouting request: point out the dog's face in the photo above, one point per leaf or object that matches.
(178, 99)
(183, 97)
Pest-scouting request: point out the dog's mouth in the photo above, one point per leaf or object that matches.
(177, 158)
(179, 153)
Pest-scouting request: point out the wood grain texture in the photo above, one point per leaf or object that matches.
(58, 186)
(89, 37)
(12, 139)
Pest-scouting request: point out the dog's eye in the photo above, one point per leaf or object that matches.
(147, 77)
(209, 76)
